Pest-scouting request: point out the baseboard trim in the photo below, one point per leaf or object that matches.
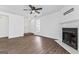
(3, 37)
(16, 37)
(46, 37)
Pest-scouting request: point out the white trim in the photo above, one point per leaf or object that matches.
(68, 48)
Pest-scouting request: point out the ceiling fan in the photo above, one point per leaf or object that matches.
(33, 9)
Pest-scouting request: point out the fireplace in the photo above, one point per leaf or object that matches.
(70, 37)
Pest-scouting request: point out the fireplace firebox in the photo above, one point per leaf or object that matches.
(70, 37)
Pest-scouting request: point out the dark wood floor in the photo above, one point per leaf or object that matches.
(31, 45)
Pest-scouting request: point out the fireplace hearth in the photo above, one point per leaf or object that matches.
(70, 37)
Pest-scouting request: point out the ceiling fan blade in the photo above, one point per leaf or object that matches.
(31, 12)
(38, 9)
(30, 6)
(37, 12)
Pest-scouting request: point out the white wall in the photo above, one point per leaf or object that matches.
(16, 25)
(29, 25)
(32, 25)
(49, 26)
(71, 16)
(26, 25)
(4, 26)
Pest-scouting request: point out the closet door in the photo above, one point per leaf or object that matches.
(4, 26)
(16, 26)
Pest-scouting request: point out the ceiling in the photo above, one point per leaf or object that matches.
(18, 9)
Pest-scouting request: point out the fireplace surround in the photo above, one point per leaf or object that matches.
(70, 37)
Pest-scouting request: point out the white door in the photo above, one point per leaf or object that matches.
(4, 23)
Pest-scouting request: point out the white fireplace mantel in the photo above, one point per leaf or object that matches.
(69, 24)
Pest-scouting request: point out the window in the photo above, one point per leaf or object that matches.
(38, 25)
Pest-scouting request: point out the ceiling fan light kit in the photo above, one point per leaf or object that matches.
(33, 9)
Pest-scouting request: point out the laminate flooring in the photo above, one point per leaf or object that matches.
(30, 44)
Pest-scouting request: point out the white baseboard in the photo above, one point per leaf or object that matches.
(15, 36)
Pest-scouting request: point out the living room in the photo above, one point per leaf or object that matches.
(60, 22)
